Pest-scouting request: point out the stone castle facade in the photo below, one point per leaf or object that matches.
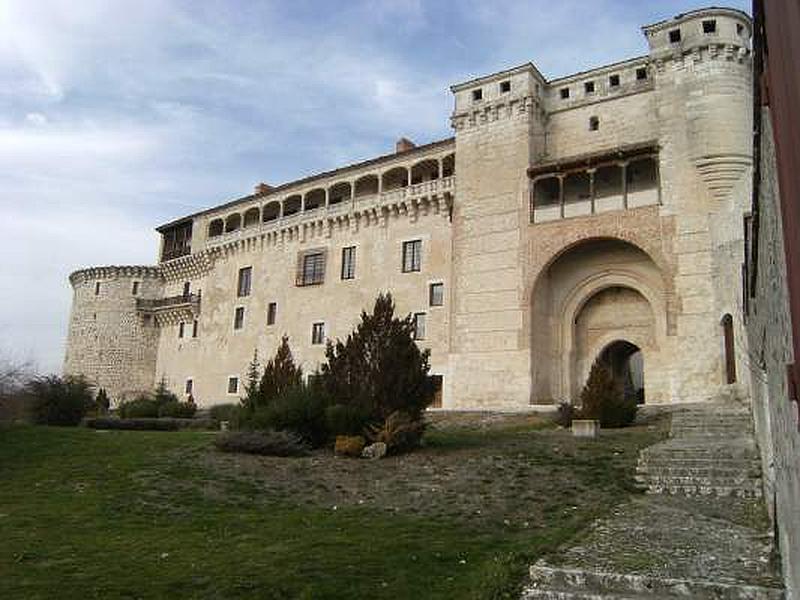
(598, 215)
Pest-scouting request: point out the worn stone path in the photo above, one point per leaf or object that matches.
(700, 531)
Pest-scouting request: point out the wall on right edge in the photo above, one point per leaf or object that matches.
(769, 331)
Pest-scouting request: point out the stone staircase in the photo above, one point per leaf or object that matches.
(711, 452)
(700, 531)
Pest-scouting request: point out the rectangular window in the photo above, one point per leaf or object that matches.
(311, 269)
(438, 384)
(318, 333)
(436, 294)
(505, 87)
(477, 95)
(709, 26)
(589, 87)
(181, 326)
(187, 287)
(674, 36)
(243, 285)
(188, 387)
(349, 262)
(613, 81)
(419, 326)
(135, 288)
(564, 93)
(238, 318)
(272, 312)
(96, 288)
(412, 256)
(641, 74)
(594, 123)
(194, 328)
(233, 385)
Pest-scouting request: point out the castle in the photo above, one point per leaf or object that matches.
(598, 215)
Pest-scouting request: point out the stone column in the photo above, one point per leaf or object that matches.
(561, 193)
(591, 186)
(624, 169)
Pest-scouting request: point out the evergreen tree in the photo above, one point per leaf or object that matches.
(252, 387)
(281, 374)
(603, 398)
(380, 368)
(162, 394)
(102, 402)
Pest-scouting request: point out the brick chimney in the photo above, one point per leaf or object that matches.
(404, 145)
(262, 188)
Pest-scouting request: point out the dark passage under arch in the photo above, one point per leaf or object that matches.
(626, 363)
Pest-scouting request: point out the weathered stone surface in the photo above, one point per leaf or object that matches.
(376, 450)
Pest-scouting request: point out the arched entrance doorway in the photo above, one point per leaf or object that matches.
(625, 362)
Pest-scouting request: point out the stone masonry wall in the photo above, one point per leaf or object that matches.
(768, 328)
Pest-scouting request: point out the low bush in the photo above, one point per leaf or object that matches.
(565, 413)
(604, 400)
(349, 445)
(143, 407)
(300, 410)
(400, 432)
(149, 424)
(59, 401)
(266, 443)
(181, 410)
(345, 419)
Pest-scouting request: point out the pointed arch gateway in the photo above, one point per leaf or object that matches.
(601, 298)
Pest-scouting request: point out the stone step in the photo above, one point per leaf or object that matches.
(714, 481)
(682, 462)
(578, 583)
(697, 474)
(691, 490)
(683, 449)
(721, 429)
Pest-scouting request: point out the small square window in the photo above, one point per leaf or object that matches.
(318, 333)
(272, 313)
(244, 282)
(505, 87)
(181, 327)
(477, 95)
(589, 87)
(412, 256)
(238, 317)
(419, 326)
(194, 328)
(674, 36)
(594, 123)
(96, 288)
(233, 385)
(739, 28)
(641, 73)
(613, 81)
(349, 262)
(709, 26)
(436, 294)
(187, 389)
(564, 93)
(135, 288)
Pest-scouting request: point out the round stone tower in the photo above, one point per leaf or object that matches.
(112, 340)
(703, 72)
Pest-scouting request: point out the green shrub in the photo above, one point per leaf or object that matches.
(102, 403)
(400, 432)
(300, 410)
(267, 443)
(604, 400)
(59, 401)
(565, 413)
(173, 408)
(346, 419)
(143, 407)
(380, 368)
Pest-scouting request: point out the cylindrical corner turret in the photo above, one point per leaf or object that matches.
(111, 341)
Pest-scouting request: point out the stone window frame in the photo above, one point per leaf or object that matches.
(272, 313)
(505, 86)
(477, 95)
(708, 26)
(420, 326)
(232, 379)
(675, 36)
(439, 285)
(564, 92)
(315, 275)
(641, 74)
(411, 257)
(348, 266)
(317, 333)
(244, 282)
(238, 324)
(594, 123)
(589, 87)
(614, 80)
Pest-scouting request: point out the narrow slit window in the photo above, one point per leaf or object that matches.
(96, 288)
(194, 328)
(181, 327)
(135, 288)
(272, 313)
(594, 123)
(188, 387)
(238, 317)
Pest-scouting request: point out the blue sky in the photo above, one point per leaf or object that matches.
(116, 116)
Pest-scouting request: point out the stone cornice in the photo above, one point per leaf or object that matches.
(114, 272)
(501, 109)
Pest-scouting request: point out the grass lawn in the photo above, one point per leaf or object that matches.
(87, 514)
